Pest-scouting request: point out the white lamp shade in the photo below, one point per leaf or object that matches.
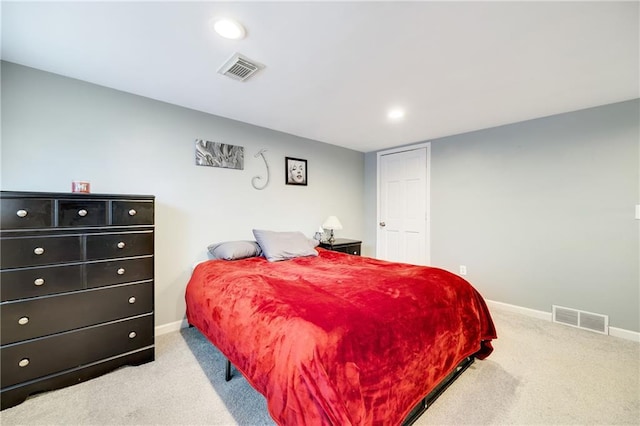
(332, 222)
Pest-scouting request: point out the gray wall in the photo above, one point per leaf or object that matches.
(541, 212)
(56, 129)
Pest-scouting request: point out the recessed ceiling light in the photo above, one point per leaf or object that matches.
(229, 28)
(395, 114)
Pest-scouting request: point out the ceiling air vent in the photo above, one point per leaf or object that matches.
(239, 67)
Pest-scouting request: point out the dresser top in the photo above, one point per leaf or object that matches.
(72, 195)
(339, 242)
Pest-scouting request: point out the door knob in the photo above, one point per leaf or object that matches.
(383, 224)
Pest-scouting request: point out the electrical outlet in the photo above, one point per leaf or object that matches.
(637, 211)
(463, 270)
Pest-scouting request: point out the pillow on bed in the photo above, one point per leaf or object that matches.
(283, 245)
(233, 250)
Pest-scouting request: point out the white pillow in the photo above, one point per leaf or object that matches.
(283, 245)
(233, 250)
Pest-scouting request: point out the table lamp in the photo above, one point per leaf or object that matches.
(332, 223)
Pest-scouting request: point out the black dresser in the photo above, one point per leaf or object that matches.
(76, 288)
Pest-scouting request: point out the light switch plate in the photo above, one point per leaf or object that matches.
(637, 211)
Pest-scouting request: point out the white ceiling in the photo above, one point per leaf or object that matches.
(333, 69)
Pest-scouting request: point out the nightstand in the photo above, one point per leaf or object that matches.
(344, 245)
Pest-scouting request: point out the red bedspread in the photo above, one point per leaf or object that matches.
(339, 339)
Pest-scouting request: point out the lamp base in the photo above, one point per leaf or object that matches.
(331, 238)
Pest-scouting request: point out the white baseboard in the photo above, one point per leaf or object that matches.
(172, 326)
(520, 310)
(624, 334)
(547, 316)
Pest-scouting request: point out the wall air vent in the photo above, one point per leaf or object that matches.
(581, 319)
(239, 67)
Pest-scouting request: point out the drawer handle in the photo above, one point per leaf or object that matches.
(38, 250)
(132, 300)
(23, 321)
(132, 335)
(39, 281)
(21, 213)
(121, 271)
(82, 213)
(132, 212)
(121, 245)
(23, 362)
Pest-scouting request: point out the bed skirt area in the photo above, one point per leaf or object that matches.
(423, 405)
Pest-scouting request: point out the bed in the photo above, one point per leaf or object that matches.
(337, 339)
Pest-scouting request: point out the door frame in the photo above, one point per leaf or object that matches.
(379, 154)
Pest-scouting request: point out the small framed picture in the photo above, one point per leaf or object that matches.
(80, 186)
(295, 171)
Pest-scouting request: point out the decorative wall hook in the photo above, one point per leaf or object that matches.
(255, 179)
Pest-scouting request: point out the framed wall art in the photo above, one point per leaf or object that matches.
(295, 171)
(215, 154)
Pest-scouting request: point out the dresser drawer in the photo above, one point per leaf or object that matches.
(47, 315)
(127, 244)
(344, 245)
(119, 271)
(82, 213)
(32, 282)
(131, 213)
(40, 357)
(19, 213)
(23, 251)
(351, 249)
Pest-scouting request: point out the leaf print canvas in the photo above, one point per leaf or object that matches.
(215, 154)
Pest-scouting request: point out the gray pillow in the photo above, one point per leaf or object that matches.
(283, 245)
(233, 250)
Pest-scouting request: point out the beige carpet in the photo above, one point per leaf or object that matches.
(539, 374)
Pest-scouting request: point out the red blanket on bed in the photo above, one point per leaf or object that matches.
(339, 339)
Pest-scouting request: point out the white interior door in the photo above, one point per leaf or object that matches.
(403, 205)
